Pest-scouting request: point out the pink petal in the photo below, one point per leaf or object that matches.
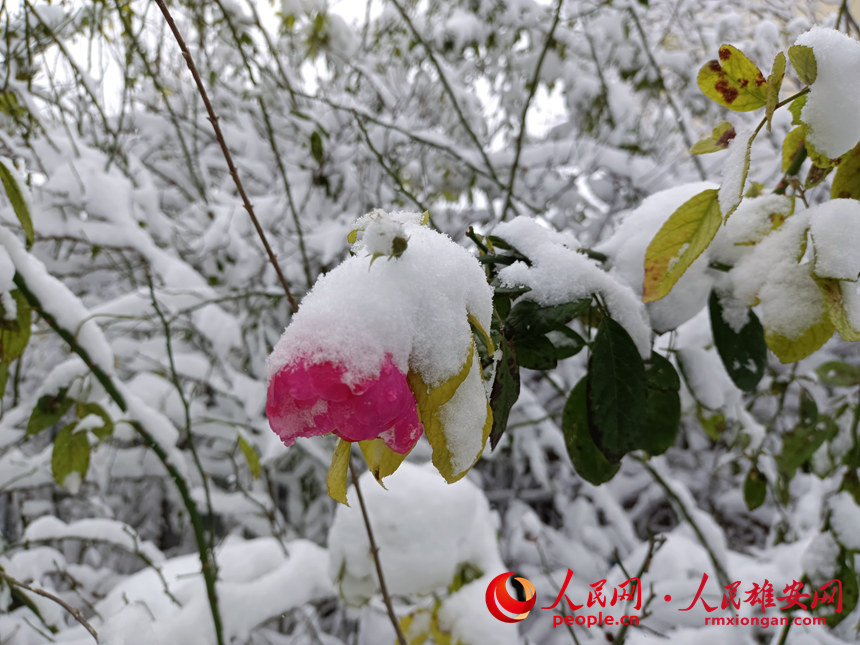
(311, 400)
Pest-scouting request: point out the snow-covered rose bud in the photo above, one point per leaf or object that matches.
(380, 352)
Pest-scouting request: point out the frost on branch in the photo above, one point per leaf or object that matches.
(382, 347)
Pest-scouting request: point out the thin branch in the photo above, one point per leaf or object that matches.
(678, 502)
(186, 405)
(448, 89)
(270, 135)
(532, 89)
(374, 551)
(75, 613)
(389, 171)
(234, 173)
(206, 556)
(688, 140)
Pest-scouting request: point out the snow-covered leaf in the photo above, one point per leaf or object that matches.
(743, 351)
(70, 458)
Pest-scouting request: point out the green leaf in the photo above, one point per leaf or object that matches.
(713, 425)
(528, 319)
(566, 342)
(663, 406)
(506, 390)
(681, 239)
(49, 409)
(774, 83)
(743, 352)
(617, 391)
(536, 353)
(719, 139)
(18, 201)
(755, 489)
(250, 456)
(800, 444)
(795, 108)
(733, 81)
(838, 374)
(846, 181)
(588, 461)
(317, 147)
(466, 573)
(106, 429)
(850, 591)
(15, 334)
(337, 472)
(70, 458)
(803, 61)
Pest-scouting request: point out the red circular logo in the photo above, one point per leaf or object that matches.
(503, 606)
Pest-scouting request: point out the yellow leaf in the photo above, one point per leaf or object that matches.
(831, 289)
(791, 146)
(336, 478)
(846, 181)
(790, 350)
(733, 81)
(719, 139)
(491, 349)
(681, 239)
(416, 631)
(381, 459)
(774, 82)
(430, 402)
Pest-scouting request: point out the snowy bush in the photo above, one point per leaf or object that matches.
(531, 233)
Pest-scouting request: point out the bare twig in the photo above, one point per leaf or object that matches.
(688, 140)
(388, 170)
(234, 173)
(431, 54)
(374, 551)
(75, 613)
(532, 87)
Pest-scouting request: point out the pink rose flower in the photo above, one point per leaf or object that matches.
(311, 400)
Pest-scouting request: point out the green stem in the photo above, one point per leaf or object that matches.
(673, 496)
(207, 558)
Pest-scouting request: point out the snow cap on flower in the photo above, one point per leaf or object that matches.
(391, 321)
